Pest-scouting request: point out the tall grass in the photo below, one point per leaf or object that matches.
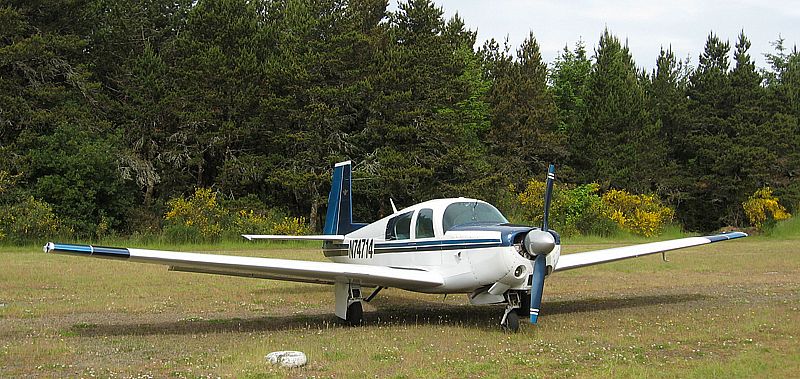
(622, 236)
(788, 229)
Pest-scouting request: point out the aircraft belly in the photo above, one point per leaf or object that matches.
(464, 271)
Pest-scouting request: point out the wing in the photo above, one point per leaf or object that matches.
(320, 237)
(266, 268)
(570, 261)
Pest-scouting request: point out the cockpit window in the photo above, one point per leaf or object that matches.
(399, 228)
(424, 223)
(469, 212)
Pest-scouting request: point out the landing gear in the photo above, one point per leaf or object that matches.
(348, 303)
(355, 314)
(524, 309)
(510, 321)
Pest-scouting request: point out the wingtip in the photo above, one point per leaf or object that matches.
(726, 236)
(733, 235)
(248, 237)
(48, 247)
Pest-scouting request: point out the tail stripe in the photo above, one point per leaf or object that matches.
(339, 219)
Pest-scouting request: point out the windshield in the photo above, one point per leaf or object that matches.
(469, 212)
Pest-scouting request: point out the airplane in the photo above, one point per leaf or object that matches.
(441, 246)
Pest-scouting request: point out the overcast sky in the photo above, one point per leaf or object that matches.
(647, 25)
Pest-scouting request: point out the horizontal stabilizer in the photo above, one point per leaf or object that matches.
(318, 237)
(570, 261)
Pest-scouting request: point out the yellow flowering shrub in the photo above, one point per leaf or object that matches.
(574, 210)
(29, 219)
(251, 222)
(198, 217)
(292, 226)
(202, 217)
(640, 214)
(763, 209)
(533, 197)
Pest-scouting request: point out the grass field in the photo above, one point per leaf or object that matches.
(724, 310)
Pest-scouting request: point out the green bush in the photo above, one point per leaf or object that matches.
(580, 210)
(573, 211)
(29, 220)
(252, 222)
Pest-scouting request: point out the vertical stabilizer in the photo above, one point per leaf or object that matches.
(339, 219)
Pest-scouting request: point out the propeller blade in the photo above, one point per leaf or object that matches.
(548, 195)
(537, 286)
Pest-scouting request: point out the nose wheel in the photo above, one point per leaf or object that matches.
(511, 322)
(514, 302)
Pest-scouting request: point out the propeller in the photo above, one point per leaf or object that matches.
(540, 242)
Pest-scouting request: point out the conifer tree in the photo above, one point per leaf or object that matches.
(53, 131)
(617, 144)
(666, 94)
(524, 136)
(421, 137)
(568, 79)
(318, 73)
(709, 140)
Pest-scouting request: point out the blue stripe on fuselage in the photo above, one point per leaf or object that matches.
(418, 246)
(436, 243)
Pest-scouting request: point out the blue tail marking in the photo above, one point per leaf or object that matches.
(339, 219)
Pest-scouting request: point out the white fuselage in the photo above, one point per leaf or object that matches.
(467, 259)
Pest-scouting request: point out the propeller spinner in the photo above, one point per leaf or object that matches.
(539, 243)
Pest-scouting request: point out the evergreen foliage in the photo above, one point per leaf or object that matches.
(615, 141)
(110, 109)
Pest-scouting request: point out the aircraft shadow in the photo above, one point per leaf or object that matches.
(395, 310)
(611, 303)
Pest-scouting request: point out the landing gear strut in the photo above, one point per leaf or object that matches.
(348, 303)
(510, 321)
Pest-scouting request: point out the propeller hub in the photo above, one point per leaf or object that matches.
(539, 242)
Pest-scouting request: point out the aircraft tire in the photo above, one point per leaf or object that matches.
(355, 314)
(512, 322)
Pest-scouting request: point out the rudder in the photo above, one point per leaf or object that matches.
(339, 219)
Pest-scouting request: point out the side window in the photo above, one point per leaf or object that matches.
(425, 223)
(399, 228)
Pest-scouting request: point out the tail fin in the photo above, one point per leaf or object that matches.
(339, 219)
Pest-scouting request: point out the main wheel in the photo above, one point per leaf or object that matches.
(512, 322)
(355, 314)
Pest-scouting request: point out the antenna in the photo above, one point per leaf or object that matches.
(394, 208)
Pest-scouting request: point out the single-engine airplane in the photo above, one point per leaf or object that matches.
(441, 246)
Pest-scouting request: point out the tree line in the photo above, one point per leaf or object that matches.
(108, 109)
